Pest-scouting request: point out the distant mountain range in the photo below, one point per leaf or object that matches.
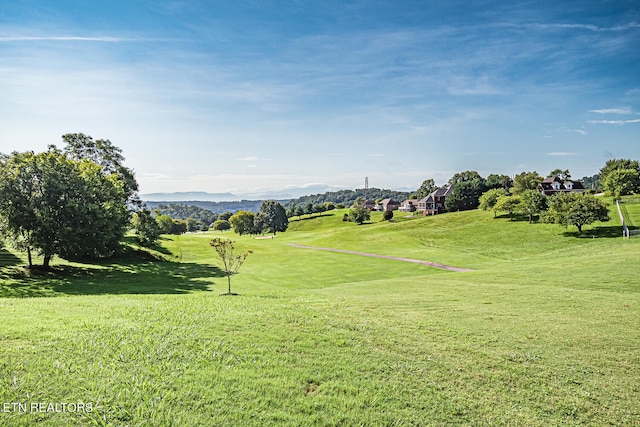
(186, 196)
(202, 196)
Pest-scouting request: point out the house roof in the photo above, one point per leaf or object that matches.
(547, 184)
(410, 202)
(389, 201)
(442, 191)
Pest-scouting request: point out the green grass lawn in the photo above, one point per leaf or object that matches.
(545, 331)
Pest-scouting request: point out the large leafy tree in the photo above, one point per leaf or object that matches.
(465, 195)
(620, 182)
(73, 203)
(499, 181)
(533, 203)
(60, 206)
(526, 181)
(106, 155)
(576, 209)
(561, 174)
(101, 220)
(616, 164)
(466, 176)
(427, 187)
(586, 210)
(243, 222)
(165, 222)
(508, 204)
(359, 215)
(489, 198)
(273, 216)
(23, 205)
(558, 208)
(145, 226)
(222, 225)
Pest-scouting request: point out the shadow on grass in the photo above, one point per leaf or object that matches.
(598, 232)
(313, 216)
(517, 217)
(7, 258)
(130, 273)
(132, 241)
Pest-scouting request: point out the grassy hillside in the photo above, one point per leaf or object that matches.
(544, 331)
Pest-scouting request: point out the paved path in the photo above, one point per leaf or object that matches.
(416, 261)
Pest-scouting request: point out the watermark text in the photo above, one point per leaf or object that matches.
(40, 407)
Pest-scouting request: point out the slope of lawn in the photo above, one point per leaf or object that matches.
(545, 331)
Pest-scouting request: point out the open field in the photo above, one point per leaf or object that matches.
(545, 331)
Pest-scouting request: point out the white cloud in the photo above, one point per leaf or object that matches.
(621, 110)
(64, 39)
(248, 159)
(614, 122)
(572, 26)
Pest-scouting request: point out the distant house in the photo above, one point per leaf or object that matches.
(389, 205)
(552, 185)
(367, 204)
(434, 203)
(409, 205)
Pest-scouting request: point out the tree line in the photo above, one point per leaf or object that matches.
(347, 197)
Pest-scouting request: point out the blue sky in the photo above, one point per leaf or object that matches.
(257, 95)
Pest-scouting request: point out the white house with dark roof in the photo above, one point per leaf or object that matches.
(552, 185)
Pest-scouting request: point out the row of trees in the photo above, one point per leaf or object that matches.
(73, 202)
(183, 211)
(271, 218)
(345, 198)
(563, 208)
(311, 209)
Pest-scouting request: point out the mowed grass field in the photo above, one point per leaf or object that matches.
(544, 331)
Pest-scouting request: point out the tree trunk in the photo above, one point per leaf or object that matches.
(46, 261)
(229, 280)
(29, 256)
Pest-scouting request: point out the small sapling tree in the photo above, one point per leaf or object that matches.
(230, 261)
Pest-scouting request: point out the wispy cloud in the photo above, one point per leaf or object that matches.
(613, 122)
(571, 26)
(621, 110)
(248, 159)
(561, 153)
(105, 39)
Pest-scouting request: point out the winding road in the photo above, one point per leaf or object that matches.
(415, 261)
